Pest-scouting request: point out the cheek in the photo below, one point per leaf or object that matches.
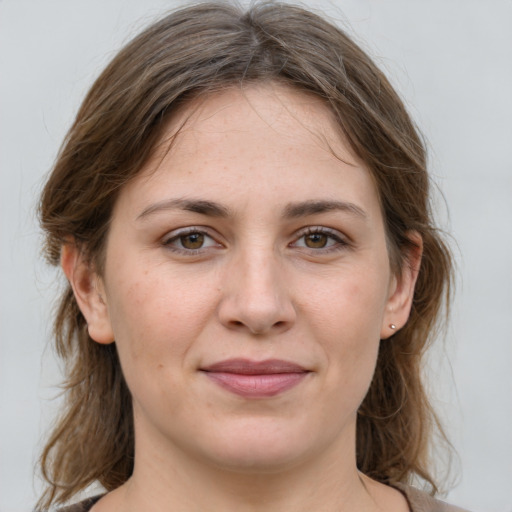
(346, 319)
(154, 325)
(350, 305)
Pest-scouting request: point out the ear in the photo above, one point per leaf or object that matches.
(401, 289)
(89, 293)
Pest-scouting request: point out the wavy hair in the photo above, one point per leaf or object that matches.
(198, 50)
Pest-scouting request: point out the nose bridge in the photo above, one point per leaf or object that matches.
(260, 277)
(257, 297)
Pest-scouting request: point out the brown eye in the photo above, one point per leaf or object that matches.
(320, 240)
(192, 241)
(316, 240)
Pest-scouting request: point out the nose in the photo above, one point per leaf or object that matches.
(256, 296)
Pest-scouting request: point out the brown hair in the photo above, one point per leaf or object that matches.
(196, 50)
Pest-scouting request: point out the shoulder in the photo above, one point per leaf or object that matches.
(82, 506)
(420, 501)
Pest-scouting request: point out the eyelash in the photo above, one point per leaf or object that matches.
(339, 242)
(333, 236)
(193, 230)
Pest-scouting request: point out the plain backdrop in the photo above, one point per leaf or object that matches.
(452, 62)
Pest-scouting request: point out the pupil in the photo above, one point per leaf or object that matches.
(316, 240)
(192, 241)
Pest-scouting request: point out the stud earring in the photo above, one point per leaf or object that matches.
(392, 326)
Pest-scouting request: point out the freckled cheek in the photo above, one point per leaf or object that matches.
(156, 325)
(351, 348)
(345, 320)
(351, 306)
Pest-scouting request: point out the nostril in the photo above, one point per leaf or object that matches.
(257, 329)
(265, 315)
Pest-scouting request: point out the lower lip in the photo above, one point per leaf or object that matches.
(257, 386)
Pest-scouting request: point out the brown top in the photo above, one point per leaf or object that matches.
(418, 502)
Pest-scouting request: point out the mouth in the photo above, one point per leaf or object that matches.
(256, 379)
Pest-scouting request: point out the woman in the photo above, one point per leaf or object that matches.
(241, 210)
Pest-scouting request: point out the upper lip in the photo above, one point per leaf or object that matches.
(249, 367)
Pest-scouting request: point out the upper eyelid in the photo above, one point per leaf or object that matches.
(187, 230)
(321, 229)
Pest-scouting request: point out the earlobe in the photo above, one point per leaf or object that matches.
(402, 286)
(89, 293)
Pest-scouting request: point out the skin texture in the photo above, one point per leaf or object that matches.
(255, 279)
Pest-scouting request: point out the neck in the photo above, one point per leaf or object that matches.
(175, 481)
(298, 490)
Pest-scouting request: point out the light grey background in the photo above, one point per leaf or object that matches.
(452, 60)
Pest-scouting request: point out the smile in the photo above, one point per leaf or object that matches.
(252, 379)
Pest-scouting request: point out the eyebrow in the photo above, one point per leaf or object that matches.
(291, 210)
(305, 208)
(201, 206)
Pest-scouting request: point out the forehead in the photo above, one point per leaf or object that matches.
(267, 109)
(269, 137)
(275, 105)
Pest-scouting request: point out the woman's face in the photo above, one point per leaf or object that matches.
(247, 285)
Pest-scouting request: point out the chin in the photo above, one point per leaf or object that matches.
(262, 447)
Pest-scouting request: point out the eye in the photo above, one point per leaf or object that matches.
(190, 240)
(320, 238)
(316, 240)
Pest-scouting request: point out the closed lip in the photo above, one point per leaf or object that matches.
(255, 379)
(249, 367)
